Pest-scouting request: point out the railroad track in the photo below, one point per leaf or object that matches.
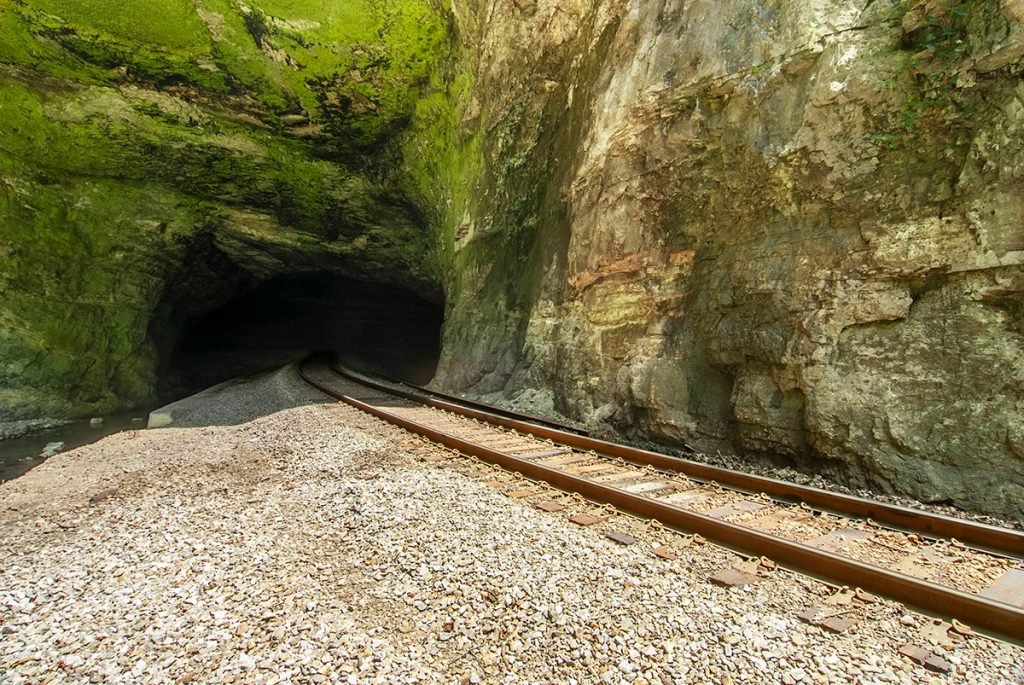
(942, 565)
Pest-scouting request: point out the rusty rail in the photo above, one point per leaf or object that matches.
(975, 610)
(992, 538)
(461, 402)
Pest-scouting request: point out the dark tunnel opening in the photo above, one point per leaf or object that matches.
(284, 318)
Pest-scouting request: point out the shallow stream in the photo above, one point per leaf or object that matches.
(18, 455)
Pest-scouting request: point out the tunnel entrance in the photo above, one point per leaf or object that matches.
(284, 318)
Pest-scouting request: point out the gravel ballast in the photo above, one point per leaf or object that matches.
(307, 545)
(541, 404)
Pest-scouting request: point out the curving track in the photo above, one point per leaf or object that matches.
(943, 565)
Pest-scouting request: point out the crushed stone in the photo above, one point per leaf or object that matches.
(307, 545)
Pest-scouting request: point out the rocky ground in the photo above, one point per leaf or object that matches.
(17, 429)
(305, 545)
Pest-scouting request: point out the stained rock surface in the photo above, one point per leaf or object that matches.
(791, 229)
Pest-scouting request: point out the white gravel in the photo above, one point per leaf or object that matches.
(242, 400)
(307, 546)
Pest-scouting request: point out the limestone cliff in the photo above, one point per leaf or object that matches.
(786, 227)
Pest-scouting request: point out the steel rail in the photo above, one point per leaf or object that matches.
(992, 538)
(460, 401)
(975, 610)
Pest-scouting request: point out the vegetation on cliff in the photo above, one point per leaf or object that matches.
(213, 143)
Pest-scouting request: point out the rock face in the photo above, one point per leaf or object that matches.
(786, 228)
(159, 157)
(792, 229)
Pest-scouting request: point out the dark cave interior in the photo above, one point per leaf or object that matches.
(282, 319)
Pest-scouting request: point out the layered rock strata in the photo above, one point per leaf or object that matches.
(790, 229)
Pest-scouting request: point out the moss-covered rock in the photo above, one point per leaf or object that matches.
(158, 158)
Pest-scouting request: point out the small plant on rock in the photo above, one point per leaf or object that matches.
(935, 34)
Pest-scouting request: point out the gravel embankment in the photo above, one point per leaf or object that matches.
(242, 400)
(307, 546)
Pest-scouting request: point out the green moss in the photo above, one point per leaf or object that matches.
(23, 44)
(126, 137)
(357, 67)
(443, 166)
(77, 300)
(170, 24)
(100, 133)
